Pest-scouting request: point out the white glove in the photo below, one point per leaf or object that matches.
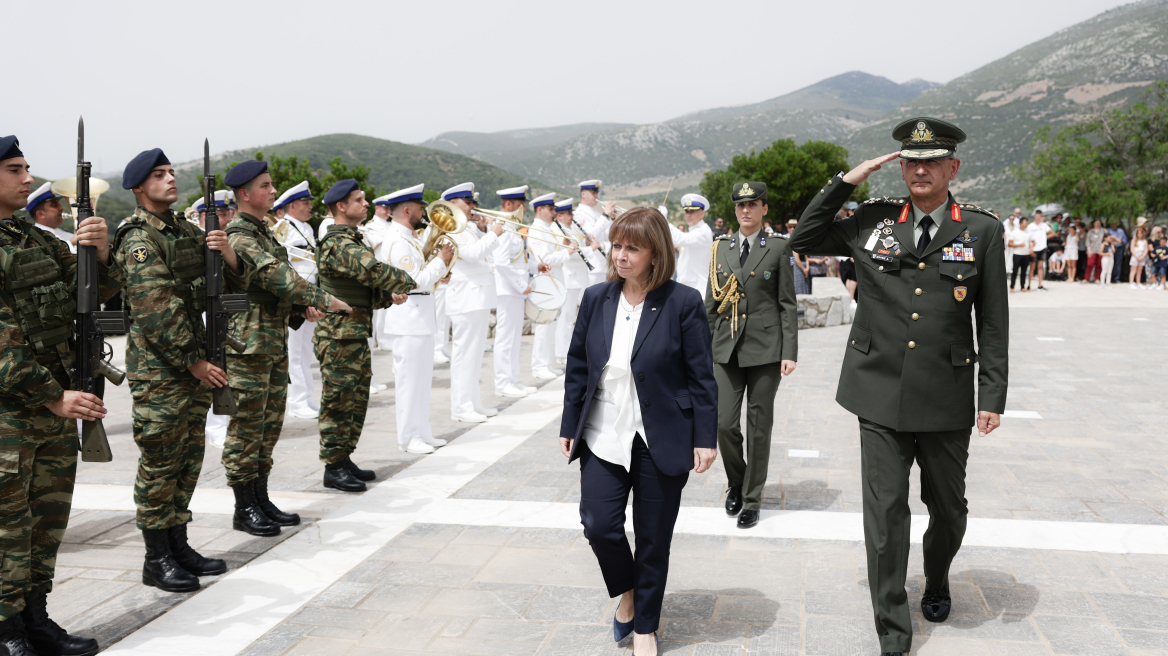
(664, 212)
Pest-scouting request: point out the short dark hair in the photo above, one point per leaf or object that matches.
(647, 228)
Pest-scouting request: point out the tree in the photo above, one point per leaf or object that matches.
(793, 175)
(1113, 164)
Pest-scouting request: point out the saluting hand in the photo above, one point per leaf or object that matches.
(704, 459)
(217, 241)
(77, 405)
(987, 422)
(93, 232)
(865, 169)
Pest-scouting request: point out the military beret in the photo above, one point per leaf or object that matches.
(340, 191)
(141, 166)
(244, 172)
(927, 138)
(10, 147)
(748, 191)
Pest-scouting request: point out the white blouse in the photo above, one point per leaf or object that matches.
(614, 419)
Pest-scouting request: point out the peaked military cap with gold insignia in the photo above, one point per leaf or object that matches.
(748, 191)
(927, 138)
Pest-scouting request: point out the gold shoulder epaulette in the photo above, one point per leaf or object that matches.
(884, 200)
(975, 208)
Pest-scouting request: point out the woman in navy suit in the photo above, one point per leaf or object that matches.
(640, 411)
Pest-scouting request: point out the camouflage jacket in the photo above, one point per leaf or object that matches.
(167, 336)
(343, 254)
(265, 327)
(28, 380)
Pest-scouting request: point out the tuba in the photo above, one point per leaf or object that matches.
(445, 220)
(67, 187)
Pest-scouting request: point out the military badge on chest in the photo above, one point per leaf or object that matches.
(957, 253)
(960, 293)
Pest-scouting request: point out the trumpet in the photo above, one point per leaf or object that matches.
(445, 219)
(616, 208)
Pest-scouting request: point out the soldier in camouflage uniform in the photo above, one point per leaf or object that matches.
(170, 380)
(259, 375)
(348, 268)
(38, 412)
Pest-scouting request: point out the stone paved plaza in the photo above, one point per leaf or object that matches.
(477, 549)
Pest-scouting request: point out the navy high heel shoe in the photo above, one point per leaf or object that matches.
(655, 643)
(620, 630)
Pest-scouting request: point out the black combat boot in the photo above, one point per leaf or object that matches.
(160, 569)
(357, 472)
(249, 517)
(279, 517)
(47, 636)
(14, 639)
(338, 477)
(189, 559)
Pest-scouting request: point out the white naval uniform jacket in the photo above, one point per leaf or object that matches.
(472, 283)
(595, 223)
(300, 235)
(511, 274)
(693, 265)
(575, 271)
(403, 249)
(542, 252)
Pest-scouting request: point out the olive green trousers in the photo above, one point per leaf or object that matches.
(887, 458)
(746, 465)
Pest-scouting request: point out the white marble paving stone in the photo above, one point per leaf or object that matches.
(1021, 414)
(802, 453)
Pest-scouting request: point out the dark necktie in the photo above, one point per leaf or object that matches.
(923, 242)
(745, 252)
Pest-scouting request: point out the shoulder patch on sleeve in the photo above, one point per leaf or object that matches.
(139, 254)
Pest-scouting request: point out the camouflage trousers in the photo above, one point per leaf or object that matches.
(260, 386)
(38, 465)
(170, 418)
(346, 368)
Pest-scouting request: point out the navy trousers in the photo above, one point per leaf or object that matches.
(604, 493)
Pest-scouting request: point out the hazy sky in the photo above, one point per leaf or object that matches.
(246, 73)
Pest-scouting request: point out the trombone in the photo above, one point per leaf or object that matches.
(512, 223)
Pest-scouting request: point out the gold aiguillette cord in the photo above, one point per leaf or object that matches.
(727, 293)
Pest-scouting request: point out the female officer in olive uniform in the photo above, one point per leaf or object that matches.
(924, 264)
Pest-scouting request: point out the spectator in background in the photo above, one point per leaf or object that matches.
(1107, 258)
(1058, 266)
(1039, 231)
(1159, 256)
(719, 227)
(1082, 270)
(817, 268)
(1071, 252)
(1018, 241)
(1095, 238)
(1139, 256)
(1119, 244)
(768, 228)
(802, 274)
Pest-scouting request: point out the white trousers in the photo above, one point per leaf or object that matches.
(442, 344)
(566, 322)
(466, 359)
(544, 346)
(377, 341)
(300, 393)
(508, 336)
(216, 426)
(413, 375)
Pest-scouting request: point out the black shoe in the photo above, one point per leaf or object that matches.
(189, 559)
(748, 519)
(892, 653)
(249, 517)
(338, 477)
(160, 569)
(734, 500)
(14, 638)
(936, 604)
(357, 472)
(278, 517)
(46, 636)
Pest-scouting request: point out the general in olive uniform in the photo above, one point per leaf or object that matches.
(38, 411)
(259, 375)
(170, 379)
(750, 300)
(348, 268)
(924, 264)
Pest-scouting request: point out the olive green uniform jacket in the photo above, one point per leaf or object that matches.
(910, 357)
(767, 330)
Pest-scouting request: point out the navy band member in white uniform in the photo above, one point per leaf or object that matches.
(595, 220)
(693, 265)
(216, 430)
(379, 225)
(409, 327)
(469, 301)
(44, 207)
(294, 231)
(548, 258)
(577, 277)
(512, 285)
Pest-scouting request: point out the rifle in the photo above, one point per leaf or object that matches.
(220, 306)
(92, 352)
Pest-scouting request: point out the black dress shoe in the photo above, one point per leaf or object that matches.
(14, 638)
(278, 517)
(189, 559)
(892, 653)
(46, 636)
(936, 604)
(338, 477)
(734, 500)
(357, 472)
(249, 517)
(160, 569)
(748, 519)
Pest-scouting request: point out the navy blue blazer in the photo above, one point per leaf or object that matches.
(673, 369)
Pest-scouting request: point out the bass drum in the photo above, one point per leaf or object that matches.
(546, 299)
